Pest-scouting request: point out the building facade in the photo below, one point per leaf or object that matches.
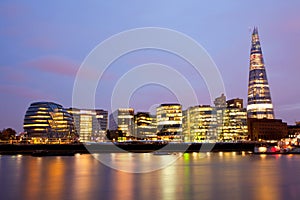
(49, 120)
(88, 124)
(259, 97)
(169, 122)
(122, 120)
(234, 121)
(267, 129)
(231, 119)
(102, 117)
(199, 124)
(145, 125)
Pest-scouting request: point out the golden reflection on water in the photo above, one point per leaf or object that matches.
(226, 175)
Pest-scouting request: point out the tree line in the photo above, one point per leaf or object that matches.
(8, 134)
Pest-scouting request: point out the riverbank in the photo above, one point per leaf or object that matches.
(29, 149)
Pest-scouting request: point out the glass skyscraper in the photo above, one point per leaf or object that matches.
(259, 98)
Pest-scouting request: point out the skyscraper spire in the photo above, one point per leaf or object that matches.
(259, 96)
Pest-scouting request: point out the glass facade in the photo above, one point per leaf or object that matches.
(48, 120)
(199, 124)
(169, 122)
(122, 120)
(90, 124)
(231, 120)
(145, 125)
(259, 97)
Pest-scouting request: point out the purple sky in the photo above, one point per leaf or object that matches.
(44, 43)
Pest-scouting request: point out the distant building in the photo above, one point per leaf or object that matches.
(48, 120)
(199, 124)
(267, 129)
(294, 130)
(259, 97)
(90, 124)
(169, 122)
(122, 120)
(220, 102)
(145, 125)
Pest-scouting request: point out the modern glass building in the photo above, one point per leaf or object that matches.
(199, 124)
(90, 124)
(122, 120)
(145, 125)
(234, 121)
(169, 122)
(48, 120)
(231, 119)
(259, 98)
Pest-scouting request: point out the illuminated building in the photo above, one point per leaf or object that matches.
(231, 119)
(234, 121)
(259, 98)
(169, 122)
(90, 124)
(101, 116)
(122, 120)
(199, 124)
(267, 129)
(145, 125)
(294, 130)
(48, 120)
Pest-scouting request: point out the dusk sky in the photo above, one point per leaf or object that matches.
(43, 43)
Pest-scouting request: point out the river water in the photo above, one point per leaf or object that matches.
(188, 176)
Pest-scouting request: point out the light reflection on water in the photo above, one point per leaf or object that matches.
(192, 176)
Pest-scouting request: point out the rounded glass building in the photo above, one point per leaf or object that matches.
(48, 120)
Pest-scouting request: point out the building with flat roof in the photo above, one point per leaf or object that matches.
(145, 125)
(199, 124)
(169, 122)
(90, 124)
(267, 129)
(122, 119)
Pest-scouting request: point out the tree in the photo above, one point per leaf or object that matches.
(8, 134)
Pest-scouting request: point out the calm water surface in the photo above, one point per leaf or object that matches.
(191, 176)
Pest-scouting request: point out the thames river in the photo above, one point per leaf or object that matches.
(145, 176)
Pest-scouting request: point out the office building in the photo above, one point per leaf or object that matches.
(199, 124)
(48, 120)
(259, 97)
(123, 120)
(145, 125)
(234, 121)
(88, 124)
(231, 119)
(267, 129)
(169, 122)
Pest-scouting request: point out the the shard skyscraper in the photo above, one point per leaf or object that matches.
(259, 97)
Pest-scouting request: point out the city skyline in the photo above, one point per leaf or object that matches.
(42, 51)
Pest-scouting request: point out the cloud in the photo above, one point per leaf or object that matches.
(66, 67)
(10, 74)
(24, 92)
(55, 65)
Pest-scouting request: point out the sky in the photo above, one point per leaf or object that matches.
(44, 43)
